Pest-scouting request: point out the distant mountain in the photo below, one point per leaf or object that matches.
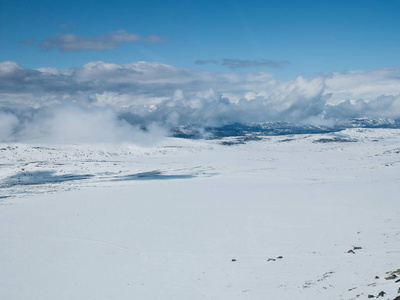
(368, 123)
(277, 128)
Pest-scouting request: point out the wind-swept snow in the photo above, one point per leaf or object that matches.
(267, 219)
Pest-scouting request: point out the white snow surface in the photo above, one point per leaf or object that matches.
(194, 219)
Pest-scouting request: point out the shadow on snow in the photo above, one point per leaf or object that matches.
(152, 175)
(41, 177)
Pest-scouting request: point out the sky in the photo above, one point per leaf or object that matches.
(290, 60)
(296, 37)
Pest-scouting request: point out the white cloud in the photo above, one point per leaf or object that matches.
(149, 92)
(362, 84)
(8, 123)
(70, 42)
(71, 124)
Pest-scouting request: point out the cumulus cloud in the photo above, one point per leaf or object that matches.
(124, 85)
(70, 42)
(380, 107)
(108, 99)
(362, 84)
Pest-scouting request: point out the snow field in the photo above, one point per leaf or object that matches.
(165, 237)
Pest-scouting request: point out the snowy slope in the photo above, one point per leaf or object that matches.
(189, 219)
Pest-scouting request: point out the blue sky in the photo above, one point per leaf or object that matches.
(285, 38)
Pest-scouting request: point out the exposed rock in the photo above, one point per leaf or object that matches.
(381, 294)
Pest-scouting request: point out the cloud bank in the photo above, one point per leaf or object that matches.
(108, 102)
(73, 124)
(70, 42)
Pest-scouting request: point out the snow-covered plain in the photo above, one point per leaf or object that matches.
(195, 219)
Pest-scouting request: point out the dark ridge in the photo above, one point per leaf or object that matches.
(276, 128)
(335, 140)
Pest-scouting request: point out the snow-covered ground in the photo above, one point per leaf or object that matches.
(196, 219)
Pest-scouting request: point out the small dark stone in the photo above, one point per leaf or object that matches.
(233, 259)
(371, 296)
(381, 294)
(376, 277)
(279, 257)
(357, 248)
